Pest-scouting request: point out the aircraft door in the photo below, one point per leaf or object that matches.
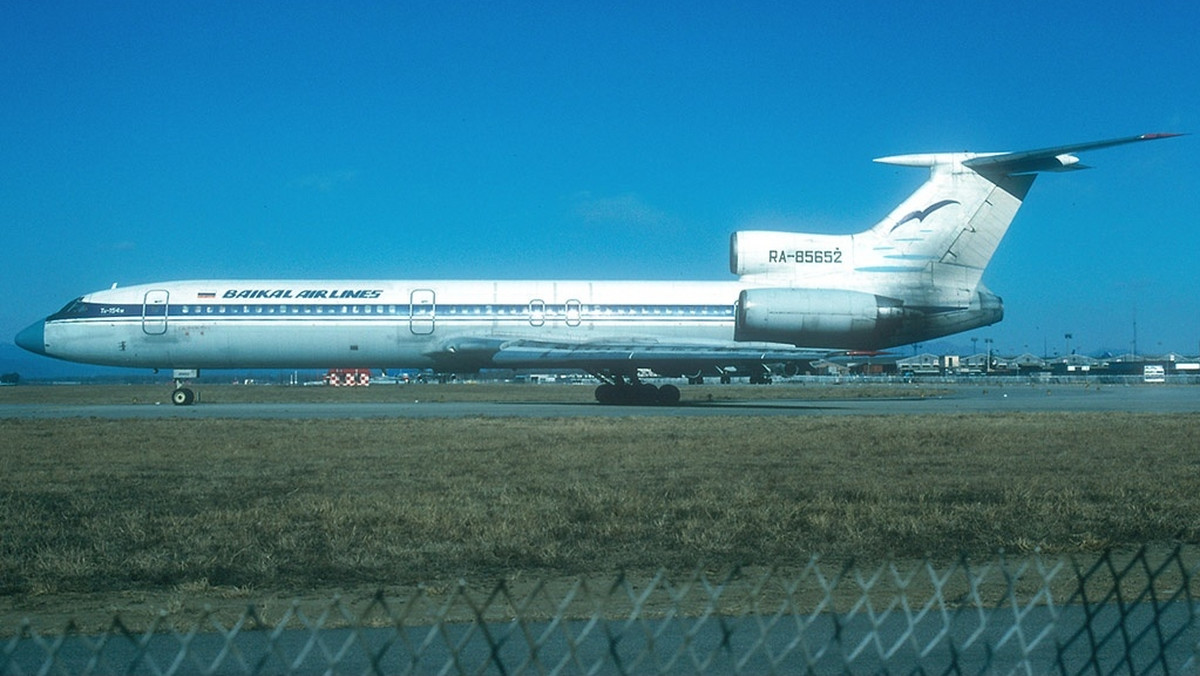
(421, 310)
(537, 312)
(574, 312)
(154, 312)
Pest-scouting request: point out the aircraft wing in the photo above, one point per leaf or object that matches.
(623, 358)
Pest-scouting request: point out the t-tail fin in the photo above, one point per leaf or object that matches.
(950, 227)
(912, 277)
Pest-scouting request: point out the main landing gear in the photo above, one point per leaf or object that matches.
(760, 378)
(617, 390)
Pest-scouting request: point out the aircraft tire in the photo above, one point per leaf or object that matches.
(645, 395)
(668, 395)
(183, 397)
(607, 394)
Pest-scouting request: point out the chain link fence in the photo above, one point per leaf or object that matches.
(1117, 612)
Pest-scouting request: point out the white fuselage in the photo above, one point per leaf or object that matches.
(319, 324)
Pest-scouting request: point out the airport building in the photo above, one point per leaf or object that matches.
(992, 364)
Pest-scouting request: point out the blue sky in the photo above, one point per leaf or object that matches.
(153, 141)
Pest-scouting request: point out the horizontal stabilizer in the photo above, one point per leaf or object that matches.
(1059, 158)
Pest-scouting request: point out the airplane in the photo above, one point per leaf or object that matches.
(912, 277)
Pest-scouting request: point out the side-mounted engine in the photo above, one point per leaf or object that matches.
(824, 318)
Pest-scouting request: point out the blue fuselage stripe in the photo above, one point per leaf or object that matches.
(442, 312)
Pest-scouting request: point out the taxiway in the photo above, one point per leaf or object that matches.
(973, 399)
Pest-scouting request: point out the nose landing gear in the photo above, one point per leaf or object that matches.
(183, 396)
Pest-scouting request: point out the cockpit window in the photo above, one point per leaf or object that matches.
(75, 307)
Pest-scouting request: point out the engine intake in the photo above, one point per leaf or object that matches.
(824, 318)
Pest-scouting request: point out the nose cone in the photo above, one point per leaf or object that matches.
(33, 338)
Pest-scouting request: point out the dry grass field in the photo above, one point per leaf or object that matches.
(127, 515)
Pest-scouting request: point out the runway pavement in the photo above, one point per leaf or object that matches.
(981, 398)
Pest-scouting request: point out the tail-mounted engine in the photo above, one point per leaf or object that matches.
(824, 318)
(793, 254)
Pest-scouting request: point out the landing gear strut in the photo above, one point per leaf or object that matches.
(616, 390)
(760, 378)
